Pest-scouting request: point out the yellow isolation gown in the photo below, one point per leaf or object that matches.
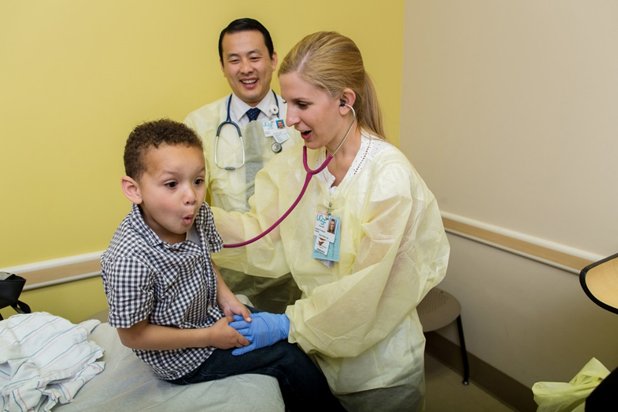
(357, 318)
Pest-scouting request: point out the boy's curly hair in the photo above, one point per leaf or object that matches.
(153, 134)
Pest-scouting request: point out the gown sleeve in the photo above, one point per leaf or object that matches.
(401, 253)
(266, 256)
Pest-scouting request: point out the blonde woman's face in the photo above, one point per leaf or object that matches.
(312, 111)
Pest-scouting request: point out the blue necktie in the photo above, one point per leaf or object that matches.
(253, 114)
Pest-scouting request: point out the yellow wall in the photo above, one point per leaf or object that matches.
(75, 301)
(76, 77)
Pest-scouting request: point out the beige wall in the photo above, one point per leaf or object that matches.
(76, 77)
(509, 113)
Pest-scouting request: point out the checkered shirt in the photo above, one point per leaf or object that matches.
(168, 284)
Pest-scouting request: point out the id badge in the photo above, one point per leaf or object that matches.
(276, 129)
(326, 238)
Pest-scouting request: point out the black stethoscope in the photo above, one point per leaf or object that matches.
(275, 147)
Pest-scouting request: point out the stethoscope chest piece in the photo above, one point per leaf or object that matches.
(276, 147)
(272, 128)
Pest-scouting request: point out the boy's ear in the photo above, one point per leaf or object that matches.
(130, 188)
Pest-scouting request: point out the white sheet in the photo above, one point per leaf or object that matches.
(128, 384)
(44, 359)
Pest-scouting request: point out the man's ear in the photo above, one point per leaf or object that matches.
(130, 188)
(274, 59)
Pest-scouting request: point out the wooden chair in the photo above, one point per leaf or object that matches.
(439, 309)
(600, 282)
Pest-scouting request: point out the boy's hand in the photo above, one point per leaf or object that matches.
(223, 336)
(227, 301)
(264, 330)
(232, 306)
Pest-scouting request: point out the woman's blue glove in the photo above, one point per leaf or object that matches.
(264, 330)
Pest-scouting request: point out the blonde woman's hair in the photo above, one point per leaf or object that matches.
(332, 62)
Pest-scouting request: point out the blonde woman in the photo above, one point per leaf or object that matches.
(361, 285)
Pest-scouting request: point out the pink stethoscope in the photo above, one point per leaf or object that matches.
(310, 173)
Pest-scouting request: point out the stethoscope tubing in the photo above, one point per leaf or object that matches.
(228, 121)
(310, 173)
(308, 176)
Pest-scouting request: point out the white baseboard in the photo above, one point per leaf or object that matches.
(71, 268)
(57, 271)
(551, 253)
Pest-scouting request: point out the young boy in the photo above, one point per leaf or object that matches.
(166, 299)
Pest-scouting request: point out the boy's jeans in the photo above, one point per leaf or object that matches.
(302, 384)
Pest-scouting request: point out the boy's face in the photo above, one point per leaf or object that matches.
(172, 189)
(247, 66)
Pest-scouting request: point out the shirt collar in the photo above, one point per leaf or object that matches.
(238, 108)
(137, 219)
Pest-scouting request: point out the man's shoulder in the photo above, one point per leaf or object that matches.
(206, 116)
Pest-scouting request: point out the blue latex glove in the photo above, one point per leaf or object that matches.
(264, 330)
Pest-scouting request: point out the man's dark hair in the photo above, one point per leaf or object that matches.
(246, 24)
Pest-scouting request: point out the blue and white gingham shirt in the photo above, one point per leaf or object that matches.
(169, 284)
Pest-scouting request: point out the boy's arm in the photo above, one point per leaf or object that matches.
(146, 336)
(228, 301)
